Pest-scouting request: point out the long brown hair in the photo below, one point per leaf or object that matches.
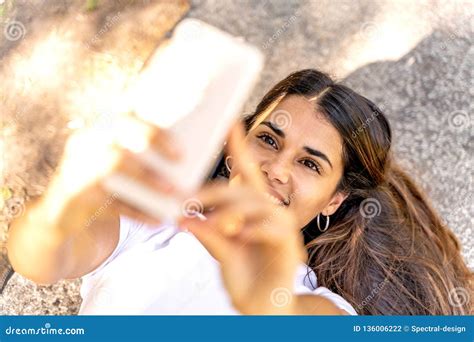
(386, 250)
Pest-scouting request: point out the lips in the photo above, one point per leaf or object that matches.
(277, 198)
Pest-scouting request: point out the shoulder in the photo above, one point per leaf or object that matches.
(131, 233)
(307, 283)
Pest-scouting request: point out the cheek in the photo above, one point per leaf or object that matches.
(311, 197)
(306, 205)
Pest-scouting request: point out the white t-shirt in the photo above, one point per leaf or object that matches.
(161, 270)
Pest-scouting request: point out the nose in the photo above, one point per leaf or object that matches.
(276, 169)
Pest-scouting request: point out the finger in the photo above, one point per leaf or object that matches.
(233, 217)
(163, 141)
(210, 193)
(137, 135)
(245, 223)
(256, 232)
(243, 162)
(219, 194)
(227, 222)
(129, 164)
(160, 139)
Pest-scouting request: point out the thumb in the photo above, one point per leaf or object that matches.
(245, 166)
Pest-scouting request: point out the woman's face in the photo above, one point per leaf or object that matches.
(300, 155)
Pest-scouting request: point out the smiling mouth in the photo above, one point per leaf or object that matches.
(277, 201)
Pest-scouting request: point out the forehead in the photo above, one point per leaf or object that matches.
(303, 125)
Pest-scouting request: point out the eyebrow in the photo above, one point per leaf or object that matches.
(274, 128)
(309, 150)
(317, 153)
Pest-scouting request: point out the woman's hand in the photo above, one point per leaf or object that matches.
(74, 226)
(92, 155)
(256, 241)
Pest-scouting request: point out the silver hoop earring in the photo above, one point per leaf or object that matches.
(319, 225)
(227, 163)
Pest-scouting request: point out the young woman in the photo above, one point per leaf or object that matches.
(380, 245)
(315, 163)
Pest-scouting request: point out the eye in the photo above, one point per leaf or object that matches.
(312, 165)
(267, 139)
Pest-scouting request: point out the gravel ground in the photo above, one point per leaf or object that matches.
(412, 58)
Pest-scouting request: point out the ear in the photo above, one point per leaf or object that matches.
(334, 203)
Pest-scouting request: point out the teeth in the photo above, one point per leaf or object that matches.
(273, 199)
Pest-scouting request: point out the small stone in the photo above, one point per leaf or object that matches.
(6, 193)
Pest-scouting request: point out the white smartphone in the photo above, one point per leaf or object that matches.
(195, 86)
